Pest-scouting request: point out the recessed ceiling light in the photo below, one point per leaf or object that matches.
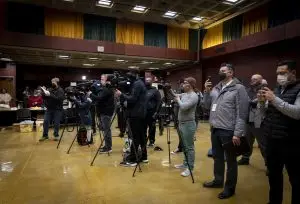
(139, 9)
(5, 59)
(64, 57)
(168, 63)
(197, 19)
(88, 65)
(93, 58)
(83, 77)
(153, 68)
(120, 60)
(105, 3)
(170, 14)
(146, 62)
(133, 67)
(69, 0)
(231, 2)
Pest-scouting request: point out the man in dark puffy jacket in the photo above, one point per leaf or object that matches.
(281, 128)
(136, 112)
(53, 99)
(105, 108)
(153, 104)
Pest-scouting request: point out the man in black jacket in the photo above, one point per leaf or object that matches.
(153, 104)
(136, 112)
(281, 128)
(105, 109)
(53, 99)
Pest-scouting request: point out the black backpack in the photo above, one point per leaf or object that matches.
(82, 136)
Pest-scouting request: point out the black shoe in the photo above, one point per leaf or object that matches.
(105, 150)
(151, 144)
(43, 138)
(226, 194)
(121, 134)
(243, 161)
(267, 172)
(213, 184)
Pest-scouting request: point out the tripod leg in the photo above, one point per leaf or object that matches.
(62, 134)
(92, 163)
(169, 143)
(185, 154)
(72, 143)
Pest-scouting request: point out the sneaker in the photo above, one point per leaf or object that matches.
(104, 151)
(43, 139)
(186, 173)
(55, 139)
(243, 161)
(128, 164)
(151, 145)
(176, 151)
(180, 166)
(145, 161)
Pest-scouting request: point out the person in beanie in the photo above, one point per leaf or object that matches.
(187, 103)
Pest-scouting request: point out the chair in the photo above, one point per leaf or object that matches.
(23, 114)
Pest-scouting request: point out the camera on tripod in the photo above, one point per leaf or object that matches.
(119, 81)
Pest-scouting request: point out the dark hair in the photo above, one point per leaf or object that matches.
(229, 66)
(291, 64)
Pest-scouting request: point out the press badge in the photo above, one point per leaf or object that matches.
(214, 107)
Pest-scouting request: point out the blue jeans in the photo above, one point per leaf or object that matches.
(105, 123)
(52, 115)
(187, 132)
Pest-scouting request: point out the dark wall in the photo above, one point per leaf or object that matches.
(260, 60)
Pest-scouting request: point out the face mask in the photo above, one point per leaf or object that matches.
(148, 84)
(53, 85)
(282, 79)
(222, 76)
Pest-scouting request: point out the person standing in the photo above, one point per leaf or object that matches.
(105, 110)
(254, 128)
(153, 104)
(228, 115)
(281, 128)
(53, 100)
(187, 103)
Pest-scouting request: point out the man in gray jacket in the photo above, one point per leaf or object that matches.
(229, 104)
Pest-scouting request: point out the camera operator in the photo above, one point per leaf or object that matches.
(83, 104)
(105, 108)
(135, 102)
(153, 104)
(53, 99)
(187, 103)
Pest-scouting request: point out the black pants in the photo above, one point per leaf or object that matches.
(218, 138)
(93, 115)
(253, 133)
(121, 120)
(282, 153)
(151, 125)
(138, 133)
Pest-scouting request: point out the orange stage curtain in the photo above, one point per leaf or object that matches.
(130, 33)
(63, 24)
(255, 21)
(213, 36)
(178, 38)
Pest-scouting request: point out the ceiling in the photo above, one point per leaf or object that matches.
(49, 57)
(211, 10)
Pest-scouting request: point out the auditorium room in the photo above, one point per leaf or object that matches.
(149, 101)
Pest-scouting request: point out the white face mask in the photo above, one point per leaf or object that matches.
(282, 79)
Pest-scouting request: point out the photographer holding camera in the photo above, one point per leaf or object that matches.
(53, 99)
(136, 111)
(105, 108)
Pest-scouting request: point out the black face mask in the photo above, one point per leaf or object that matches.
(148, 85)
(53, 85)
(222, 76)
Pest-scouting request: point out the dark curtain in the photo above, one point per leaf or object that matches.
(281, 12)
(193, 40)
(232, 29)
(202, 35)
(24, 18)
(155, 35)
(99, 28)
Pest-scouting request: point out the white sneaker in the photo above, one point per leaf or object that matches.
(180, 166)
(186, 173)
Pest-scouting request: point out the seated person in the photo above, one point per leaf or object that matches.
(35, 100)
(5, 97)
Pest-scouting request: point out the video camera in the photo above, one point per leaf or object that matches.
(82, 88)
(168, 93)
(119, 81)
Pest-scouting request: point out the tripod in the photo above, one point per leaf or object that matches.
(104, 135)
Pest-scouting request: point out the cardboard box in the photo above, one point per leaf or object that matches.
(16, 127)
(26, 127)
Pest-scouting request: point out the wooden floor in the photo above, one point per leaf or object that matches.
(33, 172)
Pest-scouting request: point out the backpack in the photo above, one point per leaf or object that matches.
(82, 136)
